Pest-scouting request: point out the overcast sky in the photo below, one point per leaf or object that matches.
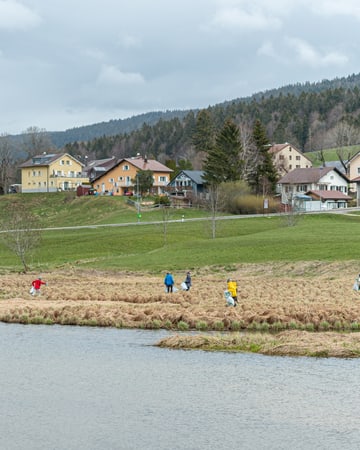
(68, 63)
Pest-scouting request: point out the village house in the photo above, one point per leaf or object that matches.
(315, 188)
(186, 185)
(121, 178)
(353, 172)
(51, 173)
(187, 182)
(287, 158)
(98, 167)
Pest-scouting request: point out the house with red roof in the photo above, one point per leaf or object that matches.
(119, 179)
(324, 187)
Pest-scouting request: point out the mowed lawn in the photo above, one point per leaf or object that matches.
(168, 243)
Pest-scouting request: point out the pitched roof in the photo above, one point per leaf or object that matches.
(140, 163)
(101, 163)
(146, 164)
(195, 175)
(329, 195)
(309, 175)
(353, 157)
(276, 148)
(45, 159)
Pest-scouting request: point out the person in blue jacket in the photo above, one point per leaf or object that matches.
(169, 282)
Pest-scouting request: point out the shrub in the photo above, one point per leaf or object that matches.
(161, 200)
(354, 326)
(156, 324)
(201, 325)
(309, 327)
(254, 326)
(278, 326)
(37, 320)
(324, 326)
(24, 319)
(265, 326)
(168, 324)
(219, 326)
(183, 326)
(48, 321)
(293, 326)
(235, 325)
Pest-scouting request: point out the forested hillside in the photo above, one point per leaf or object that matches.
(312, 116)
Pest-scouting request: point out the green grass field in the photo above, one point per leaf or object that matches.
(330, 154)
(177, 245)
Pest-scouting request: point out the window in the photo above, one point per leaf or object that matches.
(290, 157)
(297, 166)
(163, 179)
(297, 157)
(68, 162)
(111, 180)
(62, 162)
(126, 167)
(120, 178)
(281, 157)
(290, 166)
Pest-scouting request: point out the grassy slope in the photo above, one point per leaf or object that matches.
(330, 154)
(185, 244)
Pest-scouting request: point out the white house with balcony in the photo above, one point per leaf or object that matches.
(317, 188)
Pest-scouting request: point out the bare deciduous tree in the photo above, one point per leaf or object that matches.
(36, 141)
(20, 232)
(346, 134)
(6, 163)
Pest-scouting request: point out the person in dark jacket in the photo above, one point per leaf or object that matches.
(188, 281)
(169, 282)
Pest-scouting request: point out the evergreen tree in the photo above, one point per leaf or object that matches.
(264, 175)
(203, 137)
(143, 181)
(223, 162)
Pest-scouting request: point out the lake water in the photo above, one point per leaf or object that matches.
(92, 388)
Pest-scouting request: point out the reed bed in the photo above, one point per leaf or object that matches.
(313, 296)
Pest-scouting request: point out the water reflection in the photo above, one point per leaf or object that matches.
(91, 388)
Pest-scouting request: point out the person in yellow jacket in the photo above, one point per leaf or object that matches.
(232, 288)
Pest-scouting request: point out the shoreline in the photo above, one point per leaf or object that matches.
(286, 343)
(283, 303)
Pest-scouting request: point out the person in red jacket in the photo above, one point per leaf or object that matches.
(36, 285)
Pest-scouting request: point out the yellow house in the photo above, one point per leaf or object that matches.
(353, 172)
(119, 179)
(287, 158)
(51, 173)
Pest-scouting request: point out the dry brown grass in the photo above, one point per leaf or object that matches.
(315, 296)
(289, 343)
